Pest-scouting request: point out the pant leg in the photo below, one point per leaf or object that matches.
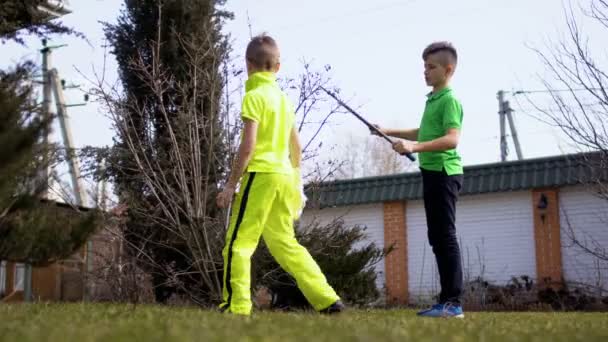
(440, 196)
(249, 214)
(280, 238)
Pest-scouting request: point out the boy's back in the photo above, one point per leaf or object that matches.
(266, 104)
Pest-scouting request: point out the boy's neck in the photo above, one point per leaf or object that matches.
(250, 73)
(440, 87)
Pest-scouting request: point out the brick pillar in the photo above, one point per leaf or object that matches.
(10, 277)
(545, 203)
(395, 233)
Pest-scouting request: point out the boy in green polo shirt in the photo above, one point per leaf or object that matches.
(441, 169)
(267, 163)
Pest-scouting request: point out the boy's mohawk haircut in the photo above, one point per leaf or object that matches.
(262, 52)
(442, 47)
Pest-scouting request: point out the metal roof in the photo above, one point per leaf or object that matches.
(555, 171)
(54, 8)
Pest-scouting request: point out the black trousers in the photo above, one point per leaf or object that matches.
(440, 196)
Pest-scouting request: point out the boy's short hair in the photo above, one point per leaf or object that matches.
(445, 50)
(262, 52)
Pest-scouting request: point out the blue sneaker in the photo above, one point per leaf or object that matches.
(429, 309)
(447, 310)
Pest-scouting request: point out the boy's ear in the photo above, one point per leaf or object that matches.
(450, 68)
(277, 67)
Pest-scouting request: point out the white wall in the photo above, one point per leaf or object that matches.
(370, 216)
(587, 215)
(496, 233)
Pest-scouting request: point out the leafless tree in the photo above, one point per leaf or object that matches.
(315, 112)
(370, 156)
(578, 90)
(578, 86)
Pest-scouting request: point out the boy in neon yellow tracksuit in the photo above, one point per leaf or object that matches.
(269, 197)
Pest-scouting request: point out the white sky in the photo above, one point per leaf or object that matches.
(374, 49)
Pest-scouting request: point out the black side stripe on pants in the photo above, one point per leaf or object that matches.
(239, 219)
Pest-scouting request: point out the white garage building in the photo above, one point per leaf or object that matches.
(513, 219)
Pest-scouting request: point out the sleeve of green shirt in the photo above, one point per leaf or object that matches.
(252, 107)
(452, 114)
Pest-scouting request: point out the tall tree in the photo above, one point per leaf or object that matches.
(168, 155)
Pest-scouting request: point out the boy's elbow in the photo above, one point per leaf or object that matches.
(449, 143)
(247, 150)
(454, 144)
(453, 138)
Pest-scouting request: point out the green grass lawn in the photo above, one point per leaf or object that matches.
(99, 322)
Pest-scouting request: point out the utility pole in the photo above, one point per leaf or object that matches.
(46, 106)
(68, 140)
(102, 191)
(505, 113)
(53, 85)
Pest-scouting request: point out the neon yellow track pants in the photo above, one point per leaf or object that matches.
(265, 207)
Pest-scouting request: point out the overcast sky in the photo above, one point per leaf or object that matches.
(374, 49)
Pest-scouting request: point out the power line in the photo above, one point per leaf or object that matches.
(519, 92)
(555, 109)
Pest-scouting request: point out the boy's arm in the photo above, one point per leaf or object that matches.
(451, 122)
(408, 134)
(447, 142)
(295, 149)
(239, 166)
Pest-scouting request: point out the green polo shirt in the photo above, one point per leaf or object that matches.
(266, 104)
(442, 112)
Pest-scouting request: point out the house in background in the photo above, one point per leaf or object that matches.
(58, 281)
(71, 279)
(513, 219)
(61, 281)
